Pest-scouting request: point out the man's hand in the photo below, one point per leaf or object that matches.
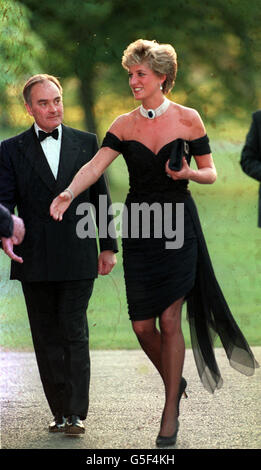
(8, 245)
(18, 230)
(106, 262)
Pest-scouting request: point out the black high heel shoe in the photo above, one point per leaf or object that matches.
(182, 391)
(167, 441)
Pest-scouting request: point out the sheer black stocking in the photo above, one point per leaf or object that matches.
(166, 350)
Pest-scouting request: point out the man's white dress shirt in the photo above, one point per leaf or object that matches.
(51, 148)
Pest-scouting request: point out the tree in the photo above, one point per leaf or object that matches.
(217, 43)
(20, 50)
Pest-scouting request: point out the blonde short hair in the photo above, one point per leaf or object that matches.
(161, 58)
(39, 78)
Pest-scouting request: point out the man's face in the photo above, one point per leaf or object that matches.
(46, 105)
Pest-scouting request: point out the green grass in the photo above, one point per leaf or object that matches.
(228, 212)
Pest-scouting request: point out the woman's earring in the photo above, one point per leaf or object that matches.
(161, 87)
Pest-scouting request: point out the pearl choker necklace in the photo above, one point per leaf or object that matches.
(152, 113)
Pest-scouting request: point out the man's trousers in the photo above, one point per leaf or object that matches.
(59, 327)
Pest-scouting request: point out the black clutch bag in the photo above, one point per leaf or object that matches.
(179, 150)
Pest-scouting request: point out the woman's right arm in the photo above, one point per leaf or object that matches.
(92, 171)
(86, 177)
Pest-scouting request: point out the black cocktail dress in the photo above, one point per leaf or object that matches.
(156, 276)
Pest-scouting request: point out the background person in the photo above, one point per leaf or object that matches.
(251, 155)
(11, 226)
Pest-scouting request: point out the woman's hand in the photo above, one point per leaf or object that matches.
(183, 174)
(60, 204)
(205, 174)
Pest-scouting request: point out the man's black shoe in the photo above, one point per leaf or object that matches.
(74, 425)
(58, 424)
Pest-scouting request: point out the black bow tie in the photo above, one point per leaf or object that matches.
(42, 135)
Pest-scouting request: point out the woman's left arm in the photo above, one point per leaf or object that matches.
(205, 174)
(206, 171)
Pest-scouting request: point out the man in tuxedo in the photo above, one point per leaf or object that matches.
(251, 155)
(56, 267)
(11, 226)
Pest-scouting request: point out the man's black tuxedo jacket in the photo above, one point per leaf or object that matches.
(51, 250)
(251, 154)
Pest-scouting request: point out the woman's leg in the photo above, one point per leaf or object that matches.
(172, 360)
(150, 340)
(166, 350)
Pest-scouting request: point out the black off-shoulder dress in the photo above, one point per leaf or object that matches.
(156, 275)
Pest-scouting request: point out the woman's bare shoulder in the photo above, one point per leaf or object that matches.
(185, 110)
(122, 122)
(191, 118)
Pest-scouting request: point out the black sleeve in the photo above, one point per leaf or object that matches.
(6, 222)
(200, 146)
(112, 141)
(7, 179)
(251, 152)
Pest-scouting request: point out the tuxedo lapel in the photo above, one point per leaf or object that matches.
(68, 157)
(32, 151)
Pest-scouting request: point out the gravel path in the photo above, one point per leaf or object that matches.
(126, 400)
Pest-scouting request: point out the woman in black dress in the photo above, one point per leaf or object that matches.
(160, 277)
